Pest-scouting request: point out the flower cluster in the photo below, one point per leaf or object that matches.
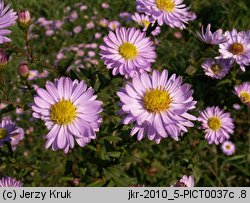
(234, 47)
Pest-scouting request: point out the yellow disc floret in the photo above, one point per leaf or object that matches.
(156, 100)
(245, 96)
(214, 123)
(3, 133)
(128, 50)
(165, 5)
(63, 112)
(228, 146)
(236, 48)
(216, 69)
(145, 23)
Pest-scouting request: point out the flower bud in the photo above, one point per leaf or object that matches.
(24, 17)
(23, 70)
(4, 59)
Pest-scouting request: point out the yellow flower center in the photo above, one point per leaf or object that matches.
(216, 68)
(228, 146)
(128, 50)
(145, 23)
(3, 133)
(156, 100)
(236, 48)
(63, 112)
(245, 97)
(165, 5)
(214, 123)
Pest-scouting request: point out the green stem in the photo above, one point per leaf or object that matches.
(26, 38)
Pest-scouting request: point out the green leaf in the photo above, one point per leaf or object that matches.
(63, 69)
(7, 109)
(236, 157)
(223, 82)
(102, 79)
(91, 148)
(69, 166)
(66, 178)
(112, 138)
(73, 75)
(85, 72)
(97, 183)
(114, 154)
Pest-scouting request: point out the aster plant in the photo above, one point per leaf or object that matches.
(218, 125)
(7, 18)
(243, 92)
(212, 38)
(70, 112)
(216, 68)
(7, 130)
(228, 148)
(170, 12)
(128, 52)
(236, 48)
(158, 105)
(144, 21)
(185, 181)
(10, 182)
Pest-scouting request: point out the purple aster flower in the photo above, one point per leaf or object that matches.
(228, 148)
(43, 74)
(17, 138)
(237, 48)
(158, 105)
(7, 130)
(216, 68)
(144, 21)
(70, 111)
(103, 22)
(112, 25)
(170, 12)
(125, 16)
(7, 19)
(24, 17)
(33, 74)
(105, 5)
(128, 52)
(192, 16)
(212, 38)
(236, 107)
(217, 124)
(185, 181)
(10, 182)
(243, 92)
(77, 29)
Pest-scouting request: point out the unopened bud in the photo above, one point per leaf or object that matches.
(23, 70)
(4, 59)
(24, 17)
